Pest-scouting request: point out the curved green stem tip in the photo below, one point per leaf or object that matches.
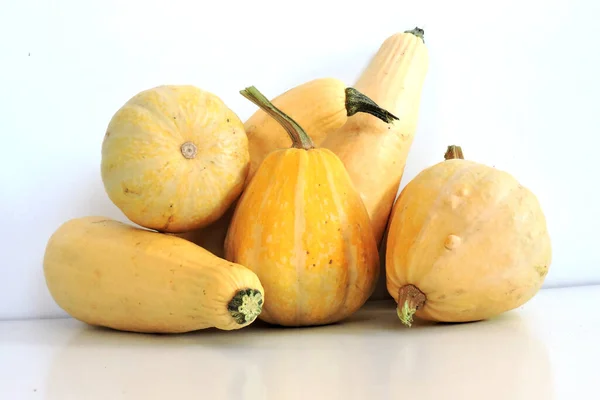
(299, 137)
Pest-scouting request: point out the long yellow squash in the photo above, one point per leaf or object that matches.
(374, 152)
(108, 273)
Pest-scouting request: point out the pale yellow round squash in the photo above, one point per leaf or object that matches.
(174, 158)
(466, 242)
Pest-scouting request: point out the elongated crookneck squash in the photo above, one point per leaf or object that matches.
(302, 227)
(466, 242)
(108, 273)
(374, 152)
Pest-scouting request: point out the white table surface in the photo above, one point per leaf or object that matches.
(547, 349)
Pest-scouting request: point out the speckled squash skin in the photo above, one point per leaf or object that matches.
(470, 238)
(302, 228)
(108, 273)
(174, 158)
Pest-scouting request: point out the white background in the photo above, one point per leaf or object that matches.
(516, 83)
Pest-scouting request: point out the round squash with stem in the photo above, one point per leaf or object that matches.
(174, 158)
(466, 242)
(302, 228)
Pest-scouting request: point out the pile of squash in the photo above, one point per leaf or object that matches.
(289, 216)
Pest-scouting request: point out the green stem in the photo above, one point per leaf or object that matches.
(410, 299)
(245, 305)
(454, 152)
(300, 138)
(357, 102)
(418, 32)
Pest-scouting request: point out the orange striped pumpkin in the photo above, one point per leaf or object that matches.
(303, 229)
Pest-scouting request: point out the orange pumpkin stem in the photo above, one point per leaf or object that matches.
(357, 102)
(410, 299)
(454, 152)
(300, 138)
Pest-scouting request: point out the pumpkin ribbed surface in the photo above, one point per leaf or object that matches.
(302, 228)
(174, 158)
